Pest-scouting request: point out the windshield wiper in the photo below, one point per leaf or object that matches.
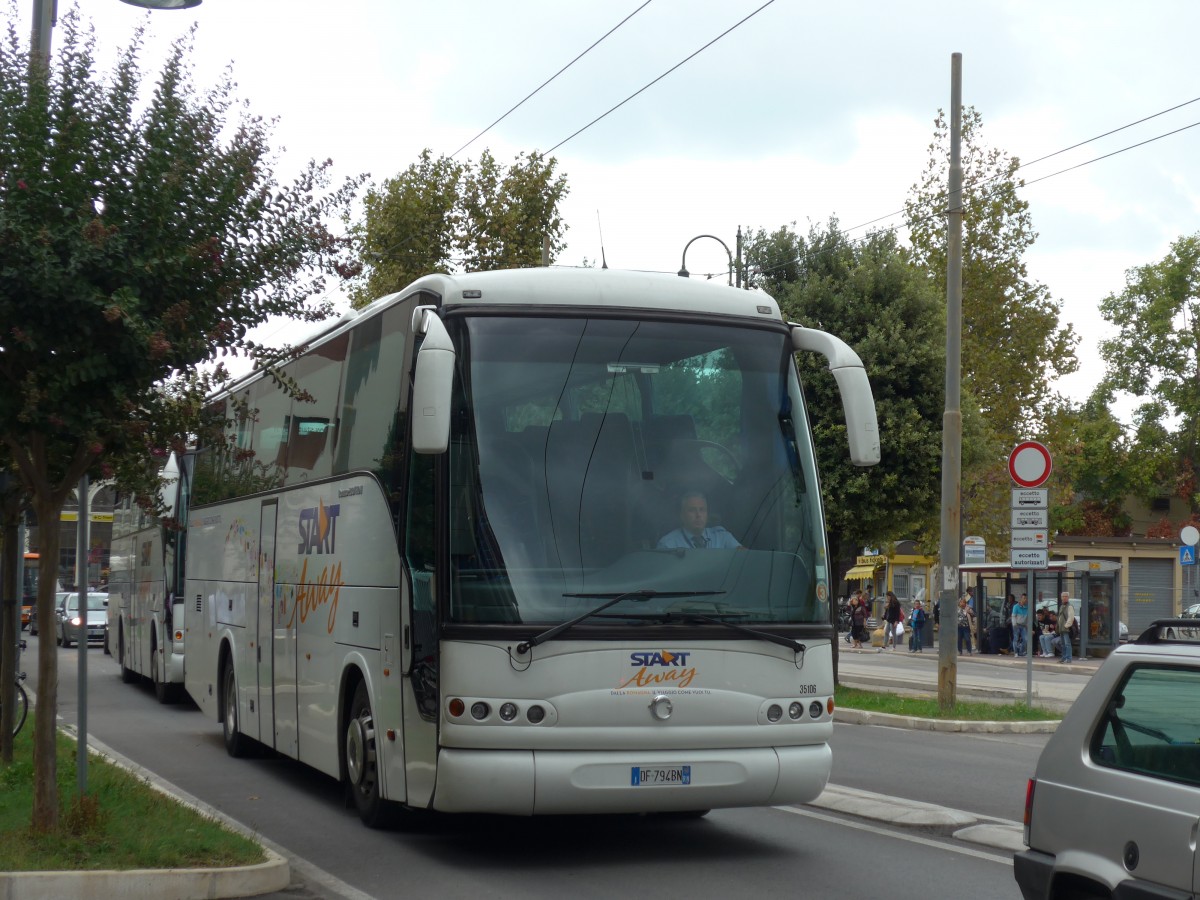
(761, 635)
(609, 600)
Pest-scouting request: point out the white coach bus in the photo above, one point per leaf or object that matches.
(457, 567)
(145, 610)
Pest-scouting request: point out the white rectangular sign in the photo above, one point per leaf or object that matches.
(1030, 498)
(1029, 537)
(1030, 518)
(1029, 559)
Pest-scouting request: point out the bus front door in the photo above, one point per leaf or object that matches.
(262, 728)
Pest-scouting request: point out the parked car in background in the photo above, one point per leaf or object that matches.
(1112, 808)
(70, 621)
(1192, 612)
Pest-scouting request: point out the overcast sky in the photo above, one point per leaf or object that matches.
(805, 111)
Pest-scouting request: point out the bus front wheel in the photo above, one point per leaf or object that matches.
(362, 762)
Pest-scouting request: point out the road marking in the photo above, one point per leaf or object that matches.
(875, 827)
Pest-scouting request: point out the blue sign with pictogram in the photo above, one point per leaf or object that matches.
(1187, 556)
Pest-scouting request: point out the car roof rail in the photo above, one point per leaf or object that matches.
(1171, 631)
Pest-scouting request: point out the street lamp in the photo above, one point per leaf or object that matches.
(683, 272)
(164, 4)
(45, 16)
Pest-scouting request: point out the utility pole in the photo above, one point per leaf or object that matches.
(952, 417)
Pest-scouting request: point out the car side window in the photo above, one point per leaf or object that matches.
(1151, 725)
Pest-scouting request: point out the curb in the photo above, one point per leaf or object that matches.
(915, 723)
(998, 834)
(150, 884)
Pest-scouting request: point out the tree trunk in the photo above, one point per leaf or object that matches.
(10, 627)
(45, 756)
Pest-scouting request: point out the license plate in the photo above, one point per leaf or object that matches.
(666, 776)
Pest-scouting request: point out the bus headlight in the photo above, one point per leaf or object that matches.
(480, 710)
(508, 711)
(535, 714)
(774, 712)
(795, 709)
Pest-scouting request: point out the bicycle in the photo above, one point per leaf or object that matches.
(22, 709)
(22, 705)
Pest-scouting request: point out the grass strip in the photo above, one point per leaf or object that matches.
(926, 707)
(121, 823)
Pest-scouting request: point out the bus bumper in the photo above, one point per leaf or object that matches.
(529, 782)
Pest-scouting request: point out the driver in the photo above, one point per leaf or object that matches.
(694, 532)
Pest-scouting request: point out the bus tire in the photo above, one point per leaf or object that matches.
(236, 743)
(163, 690)
(362, 763)
(128, 676)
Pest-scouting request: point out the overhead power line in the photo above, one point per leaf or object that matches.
(1075, 146)
(550, 79)
(939, 213)
(660, 77)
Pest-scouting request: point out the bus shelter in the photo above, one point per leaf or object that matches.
(1091, 584)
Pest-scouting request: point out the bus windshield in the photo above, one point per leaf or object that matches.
(591, 457)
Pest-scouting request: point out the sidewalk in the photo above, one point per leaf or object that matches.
(996, 678)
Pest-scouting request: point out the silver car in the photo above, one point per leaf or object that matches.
(1114, 806)
(69, 621)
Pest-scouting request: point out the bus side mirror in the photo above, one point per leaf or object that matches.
(432, 382)
(858, 403)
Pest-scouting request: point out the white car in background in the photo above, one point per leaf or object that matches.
(70, 622)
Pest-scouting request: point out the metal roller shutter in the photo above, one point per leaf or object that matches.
(1151, 591)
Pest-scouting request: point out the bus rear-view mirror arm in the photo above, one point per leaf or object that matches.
(858, 403)
(432, 383)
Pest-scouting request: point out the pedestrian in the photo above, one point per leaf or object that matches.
(1020, 626)
(1047, 624)
(971, 598)
(858, 620)
(966, 623)
(893, 621)
(1066, 618)
(916, 622)
(1006, 621)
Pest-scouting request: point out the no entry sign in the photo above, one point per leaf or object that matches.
(1029, 464)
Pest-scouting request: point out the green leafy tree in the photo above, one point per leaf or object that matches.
(1154, 356)
(1096, 468)
(1013, 345)
(440, 215)
(140, 235)
(870, 295)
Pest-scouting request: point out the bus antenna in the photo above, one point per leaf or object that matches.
(603, 261)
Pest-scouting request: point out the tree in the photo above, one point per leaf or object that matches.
(1156, 357)
(1013, 346)
(870, 295)
(439, 215)
(139, 237)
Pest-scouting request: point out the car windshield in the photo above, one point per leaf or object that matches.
(95, 601)
(593, 457)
